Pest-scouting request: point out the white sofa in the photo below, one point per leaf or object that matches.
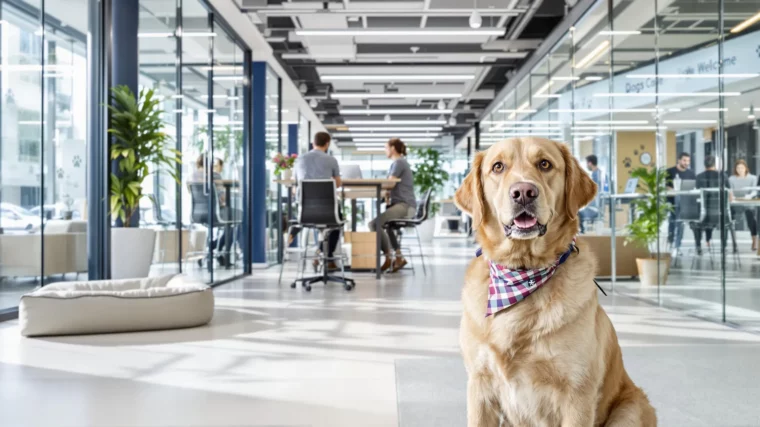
(109, 306)
(65, 250)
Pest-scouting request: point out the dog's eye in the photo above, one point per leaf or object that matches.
(545, 165)
(497, 167)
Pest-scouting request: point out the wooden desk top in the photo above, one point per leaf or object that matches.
(364, 183)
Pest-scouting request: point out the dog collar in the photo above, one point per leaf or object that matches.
(509, 286)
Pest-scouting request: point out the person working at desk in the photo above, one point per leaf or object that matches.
(317, 164)
(402, 203)
(710, 178)
(591, 212)
(682, 171)
(739, 180)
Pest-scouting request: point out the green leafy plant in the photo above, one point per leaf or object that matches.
(222, 138)
(138, 142)
(429, 173)
(650, 211)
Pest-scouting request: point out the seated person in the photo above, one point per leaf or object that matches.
(402, 204)
(317, 164)
(738, 181)
(710, 178)
(591, 212)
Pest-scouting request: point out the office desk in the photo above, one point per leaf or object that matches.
(354, 189)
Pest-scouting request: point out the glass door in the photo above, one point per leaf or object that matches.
(200, 205)
(228, 84)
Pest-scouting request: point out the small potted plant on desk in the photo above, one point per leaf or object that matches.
(428, 174)
(650, 212)
(139, 148)
(283, 165)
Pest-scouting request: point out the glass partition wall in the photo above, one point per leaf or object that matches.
(43, 150)
(647, 90)
(198, 223)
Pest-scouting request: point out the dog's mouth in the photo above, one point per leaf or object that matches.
(524, 225)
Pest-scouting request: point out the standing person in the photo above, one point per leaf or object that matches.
(591, 212)
(710, 178)
(739, 180)
(682, 171)
(317, 164)
(402, 203)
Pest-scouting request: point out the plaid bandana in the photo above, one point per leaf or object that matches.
(508, 287)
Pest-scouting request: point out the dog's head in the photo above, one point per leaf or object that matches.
(525, 193)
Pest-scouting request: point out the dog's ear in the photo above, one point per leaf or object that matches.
(580, 189)
(469, 196)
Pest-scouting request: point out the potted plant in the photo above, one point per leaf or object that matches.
(650, 212)
(68, 202)
(283, 165)
(139, 148)
(428, 175)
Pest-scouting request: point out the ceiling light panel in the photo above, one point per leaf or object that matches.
(399, 95)
(399, 77)
(421, 111)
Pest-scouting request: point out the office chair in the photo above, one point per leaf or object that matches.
(201, 201)
(319, 211)
(710, 213)
(396, 225)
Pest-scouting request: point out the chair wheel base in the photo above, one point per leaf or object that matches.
(293, 285)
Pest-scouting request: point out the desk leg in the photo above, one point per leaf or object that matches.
(353, 215)
(378, 232)
(228, 228)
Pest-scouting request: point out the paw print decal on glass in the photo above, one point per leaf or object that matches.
(627, 162)
(77, 161)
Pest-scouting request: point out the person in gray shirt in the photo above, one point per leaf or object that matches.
(402, 203)
(317, 164)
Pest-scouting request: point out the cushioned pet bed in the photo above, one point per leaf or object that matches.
(128, 305)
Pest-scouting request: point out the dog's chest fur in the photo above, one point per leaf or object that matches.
(535, 353)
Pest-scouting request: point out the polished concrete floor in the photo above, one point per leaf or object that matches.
(274, 356)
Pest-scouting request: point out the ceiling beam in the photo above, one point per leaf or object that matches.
(289, 11)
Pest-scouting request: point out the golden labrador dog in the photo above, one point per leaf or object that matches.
(552, 359)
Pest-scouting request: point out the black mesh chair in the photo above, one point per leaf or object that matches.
(200, 201)
(319, 211)
(397, 225)
(710, 213)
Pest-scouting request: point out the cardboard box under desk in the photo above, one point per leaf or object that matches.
(363, 249)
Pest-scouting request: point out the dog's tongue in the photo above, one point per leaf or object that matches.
(525, 221)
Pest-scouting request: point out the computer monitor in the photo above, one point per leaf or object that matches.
(631, 185)
(350, 172)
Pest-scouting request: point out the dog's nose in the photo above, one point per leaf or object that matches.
(523, 192)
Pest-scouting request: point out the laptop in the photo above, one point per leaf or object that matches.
(688, 184)
(350, 172)
(631, 186)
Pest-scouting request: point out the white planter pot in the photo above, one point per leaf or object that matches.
(286, 175)
(648, 270)
(131, 252)
(427, 231)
